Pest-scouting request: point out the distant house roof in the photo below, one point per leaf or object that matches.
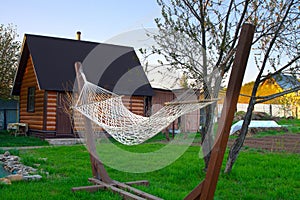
(8, 104)
(286, 81)
(54, 58)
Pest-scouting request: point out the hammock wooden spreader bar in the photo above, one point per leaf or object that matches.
(191, 102)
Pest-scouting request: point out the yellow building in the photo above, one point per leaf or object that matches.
(275, 84)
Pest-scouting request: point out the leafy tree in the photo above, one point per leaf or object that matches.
(9, 56)
(289, 104)
(183, 81)
(200, 37)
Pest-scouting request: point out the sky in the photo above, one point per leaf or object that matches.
(98, 20)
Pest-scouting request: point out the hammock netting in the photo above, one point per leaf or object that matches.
(107, 110)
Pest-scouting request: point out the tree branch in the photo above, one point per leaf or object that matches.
(270, 97)
(222, 46)
(245, 95)
(239, 25)
(272, 43)
(198, 17)
(281, 69)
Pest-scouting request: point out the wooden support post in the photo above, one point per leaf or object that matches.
(98, 169)
(206, 189)
(101, 178)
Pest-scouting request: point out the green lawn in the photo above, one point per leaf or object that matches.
(256, 175)
(293, 126)
(9, 140)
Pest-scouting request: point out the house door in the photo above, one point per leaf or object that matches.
(63, 118)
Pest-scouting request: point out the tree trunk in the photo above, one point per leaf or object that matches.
(206, 134)
(238, 143)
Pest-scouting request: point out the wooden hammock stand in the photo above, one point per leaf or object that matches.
(205, 190)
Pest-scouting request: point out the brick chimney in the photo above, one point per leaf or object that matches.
(78, 35)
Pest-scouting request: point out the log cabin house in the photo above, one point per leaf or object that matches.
(46, 74)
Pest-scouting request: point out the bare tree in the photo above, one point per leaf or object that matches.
(9, 56)
(200, 37)
(277, 51)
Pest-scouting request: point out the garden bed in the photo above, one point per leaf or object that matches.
(287, 143)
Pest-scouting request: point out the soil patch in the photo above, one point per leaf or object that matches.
(287, 142)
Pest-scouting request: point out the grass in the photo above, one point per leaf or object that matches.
(9, 140)
(293, 126)
(161, 138)
(268, 133)
(256, 175)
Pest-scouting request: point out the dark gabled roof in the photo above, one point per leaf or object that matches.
(286, 81)
(104, 64)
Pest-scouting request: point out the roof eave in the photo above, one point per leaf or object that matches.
(21, 69)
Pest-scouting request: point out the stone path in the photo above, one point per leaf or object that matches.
(287, 142)
(21, 148)
(52, 142)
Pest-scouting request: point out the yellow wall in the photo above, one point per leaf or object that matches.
(290, 101)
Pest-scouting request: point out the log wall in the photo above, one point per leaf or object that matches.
(33, 119)
(45, 110)
(135, 104)
(51, 110)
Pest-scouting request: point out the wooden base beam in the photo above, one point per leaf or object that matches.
(113, 188)
(90, 188)
(136, 191)
(124, 189)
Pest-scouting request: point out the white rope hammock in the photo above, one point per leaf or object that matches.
(107, 110)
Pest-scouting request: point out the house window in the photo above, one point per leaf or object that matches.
(30, 99)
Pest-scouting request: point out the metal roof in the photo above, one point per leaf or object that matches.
(113, 67)
(286, 81)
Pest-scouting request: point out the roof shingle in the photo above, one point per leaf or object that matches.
(104, 64)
